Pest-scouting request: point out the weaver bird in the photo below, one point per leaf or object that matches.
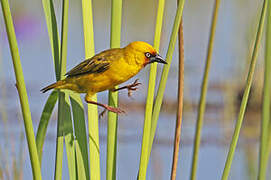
(108, 69)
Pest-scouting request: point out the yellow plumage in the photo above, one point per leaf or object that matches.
(108, 69)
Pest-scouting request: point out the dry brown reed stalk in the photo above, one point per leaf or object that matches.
(180, 105)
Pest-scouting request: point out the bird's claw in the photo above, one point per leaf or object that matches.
(117, 110)
(112, 109)
(133, 87)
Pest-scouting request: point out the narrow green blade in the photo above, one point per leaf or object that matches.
(50, 18)
(112, 123)
(81, 136)
(244, 101)
(263, 152)
(149, 101)
(33, 153)
(66, 130)
(164, 76)
(93, 123)
(203, 93)
(44, 121)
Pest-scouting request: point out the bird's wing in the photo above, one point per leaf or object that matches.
(96, 64)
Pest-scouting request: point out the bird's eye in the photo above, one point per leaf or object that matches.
(148, 55)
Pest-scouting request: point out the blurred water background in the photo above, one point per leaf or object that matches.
(235, 34)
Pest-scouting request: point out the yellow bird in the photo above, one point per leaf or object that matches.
(108, 69)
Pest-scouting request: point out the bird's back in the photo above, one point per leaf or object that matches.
(103, 71)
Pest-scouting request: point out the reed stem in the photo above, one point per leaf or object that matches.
(93, 121)
(177, 137)
(112, 126)
(44, 121)
(20, 84)
(65, 125)
(204, 88)
(164, 76)
(149, 101)
(245, 95)
(153, 66)
(263, 153)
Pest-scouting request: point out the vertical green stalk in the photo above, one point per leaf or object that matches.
(245, 96)
(60, 138)
(93, 124)
(81, 136)
(263, 156)
(153, 68)
(64, 115)
(149, 101)
(59, 141)
(179, 117)
(65, 127)
(204, 88)
(164, 76)
(33, 153)
(112, 127)
(50, 18)
(65, 132)
(151, 88)
(81, 145)
(269, 142)
(64, 38)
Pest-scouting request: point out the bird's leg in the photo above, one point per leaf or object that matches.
(131, 87)
(105, 106)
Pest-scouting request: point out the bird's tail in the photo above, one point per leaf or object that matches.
(57, 85)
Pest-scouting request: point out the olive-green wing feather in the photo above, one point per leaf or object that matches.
(96, 64)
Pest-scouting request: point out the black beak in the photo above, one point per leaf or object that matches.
(157, 58)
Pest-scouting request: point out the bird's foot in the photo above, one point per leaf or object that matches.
(133, 87)
(106, 107)
(112, 109)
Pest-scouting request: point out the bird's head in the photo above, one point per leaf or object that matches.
(146, 54)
